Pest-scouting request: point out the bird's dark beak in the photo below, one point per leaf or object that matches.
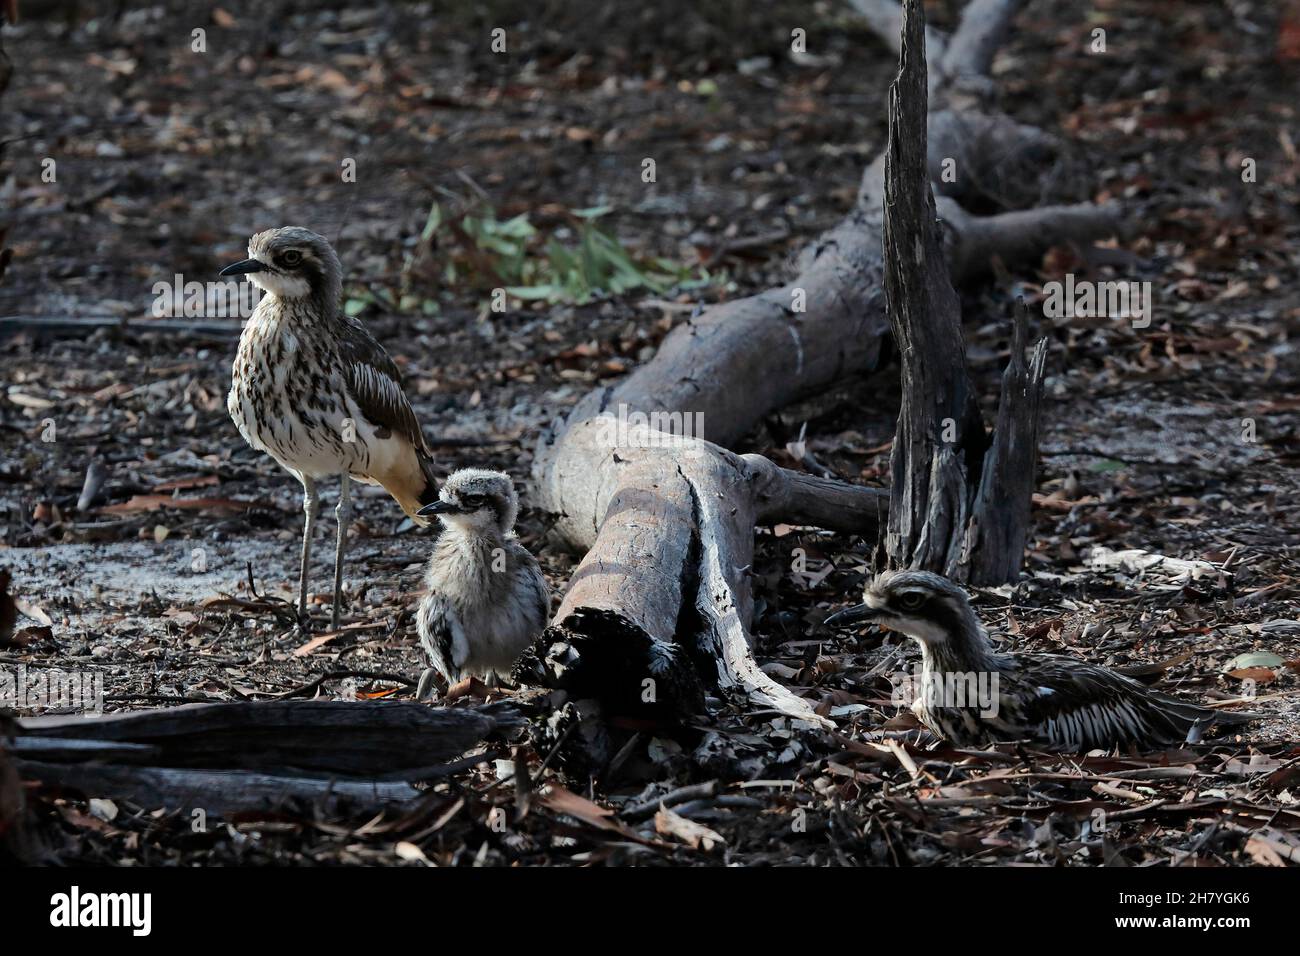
(438, 507)
(243, 268)
(851, 615)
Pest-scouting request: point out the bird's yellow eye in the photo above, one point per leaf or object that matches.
(291, 257)
(911, 600)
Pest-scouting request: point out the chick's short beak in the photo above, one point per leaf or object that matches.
(438, 507)
(243, 268)
(851, 615)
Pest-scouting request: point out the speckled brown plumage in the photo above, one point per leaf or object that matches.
(312, 388)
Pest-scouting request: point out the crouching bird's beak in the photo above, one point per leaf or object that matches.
(242, 268)
(850, 616)
(438, 507)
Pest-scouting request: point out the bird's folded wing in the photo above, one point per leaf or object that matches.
(441, 634)
(1098, 704)
(541, 593)
(375, 384)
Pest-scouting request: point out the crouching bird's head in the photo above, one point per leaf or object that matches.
(476, 500)
(292, 263)
(919, 604)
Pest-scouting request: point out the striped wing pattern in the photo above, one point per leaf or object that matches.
(1066, 704)
(541, 591)
(440, 635)
(1070, 705)
(375, 384)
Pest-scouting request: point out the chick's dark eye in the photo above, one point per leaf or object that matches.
(473, 501)
(911, 601)
(291, 258)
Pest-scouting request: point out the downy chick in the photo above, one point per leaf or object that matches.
(487, 600)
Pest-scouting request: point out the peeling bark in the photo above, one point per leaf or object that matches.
(994, 544)
(940, 436)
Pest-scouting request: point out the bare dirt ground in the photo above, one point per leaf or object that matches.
(172, 584)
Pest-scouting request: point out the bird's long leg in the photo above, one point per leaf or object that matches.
(311, 508)
(344, 513)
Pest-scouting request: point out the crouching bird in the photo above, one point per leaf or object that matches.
(313, 389)
(487, 600)
(972, 696)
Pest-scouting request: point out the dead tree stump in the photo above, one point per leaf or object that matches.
(241, 755)
(958, 507)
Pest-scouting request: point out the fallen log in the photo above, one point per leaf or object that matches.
(676, 544)
(638, 475)
(216, 792)
(256, 754)
(18, 843)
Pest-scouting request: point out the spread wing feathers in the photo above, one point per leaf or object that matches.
(441, 636)
(1073, 705)
(375, 384)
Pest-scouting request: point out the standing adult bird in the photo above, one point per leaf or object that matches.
(313, 389)
(487, 599)
(973, 696)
